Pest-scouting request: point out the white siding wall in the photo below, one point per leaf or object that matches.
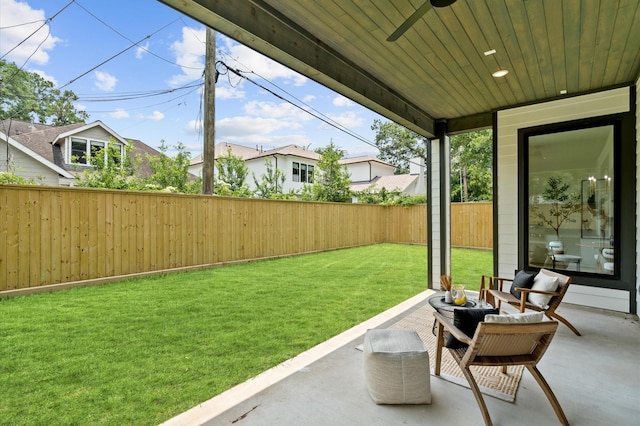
(285, 164)
(509, 121)
(360, 172)
(28, 168)
(378, 169)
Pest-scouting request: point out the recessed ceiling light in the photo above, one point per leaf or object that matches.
(490, 52)
(500, 73)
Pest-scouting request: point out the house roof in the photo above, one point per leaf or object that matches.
(247, 153)
(390, 183)
(37, 137)
(364, 159)
(437, 70)
(41, 139)
(293, 150)
(222, 148)
(37, 157)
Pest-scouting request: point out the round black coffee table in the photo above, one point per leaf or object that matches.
(446, 309)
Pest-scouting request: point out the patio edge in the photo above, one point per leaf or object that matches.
(217, 405)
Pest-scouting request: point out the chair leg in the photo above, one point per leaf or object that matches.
(549, 393)
(439, 348)
(476, 392)
(553, 315)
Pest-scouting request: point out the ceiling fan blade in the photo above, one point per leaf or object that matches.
(410, 21)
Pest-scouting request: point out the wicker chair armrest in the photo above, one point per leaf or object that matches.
(526, 292)
(455, 331)
(490, 280)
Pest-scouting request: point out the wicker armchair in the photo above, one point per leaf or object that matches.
(491, 290)
(498, 344)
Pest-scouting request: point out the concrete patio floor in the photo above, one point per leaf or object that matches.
(595, 377)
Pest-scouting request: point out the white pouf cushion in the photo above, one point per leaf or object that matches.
(396, 367)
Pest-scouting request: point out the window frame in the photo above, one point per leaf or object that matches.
(89, 144)
(295, 171)
(621, 129)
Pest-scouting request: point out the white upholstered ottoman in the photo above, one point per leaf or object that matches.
(396, 367)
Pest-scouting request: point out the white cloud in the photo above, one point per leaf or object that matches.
(246, 59)
(119, 113)
(189, 53)
(45, 76)
(341, 101)
(309, 98)
(105, 81)
(227, 92)
(194, 126)
(248, 128)
(142, 50)
(13, 19)
(273, 110)
(155, 115)
(348, 120)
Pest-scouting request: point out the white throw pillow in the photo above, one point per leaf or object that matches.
(542, 282)
(515, 318)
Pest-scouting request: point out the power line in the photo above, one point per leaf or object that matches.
(131, 41)
(311, 112)
(126, 96)
(22, 25)
(40, 27)
(104, 62)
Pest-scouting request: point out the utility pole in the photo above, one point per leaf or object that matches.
(209, 153)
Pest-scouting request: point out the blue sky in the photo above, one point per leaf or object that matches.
(90, 47)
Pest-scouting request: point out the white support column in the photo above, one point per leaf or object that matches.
(440, 208)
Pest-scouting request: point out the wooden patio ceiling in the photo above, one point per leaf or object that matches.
(437, 70)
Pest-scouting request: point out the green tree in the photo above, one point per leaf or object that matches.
(10, 177)
(110, 170)
(172, 173)
(331, 181)
(398, 145)
(232, 175)
(24, 95)
(271, 183)
(472, 166)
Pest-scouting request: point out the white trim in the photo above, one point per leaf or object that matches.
(17, 145)
(91, 126)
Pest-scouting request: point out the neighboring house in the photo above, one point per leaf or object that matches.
(53, 155)
(299, 167)
(297, 163)
(372, 174)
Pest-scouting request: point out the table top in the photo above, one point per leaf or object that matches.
(438, 303)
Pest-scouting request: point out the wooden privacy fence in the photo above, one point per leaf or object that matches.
(472, 225)
(52, 235)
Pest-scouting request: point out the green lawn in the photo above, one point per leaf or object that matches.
(467, 266)
(143, 350)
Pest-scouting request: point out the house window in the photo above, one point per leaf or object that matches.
(296, 172)
(78, 151)
(94, 149)
(570, 189)
(84, 150)
(310, 174)
(302, 172)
